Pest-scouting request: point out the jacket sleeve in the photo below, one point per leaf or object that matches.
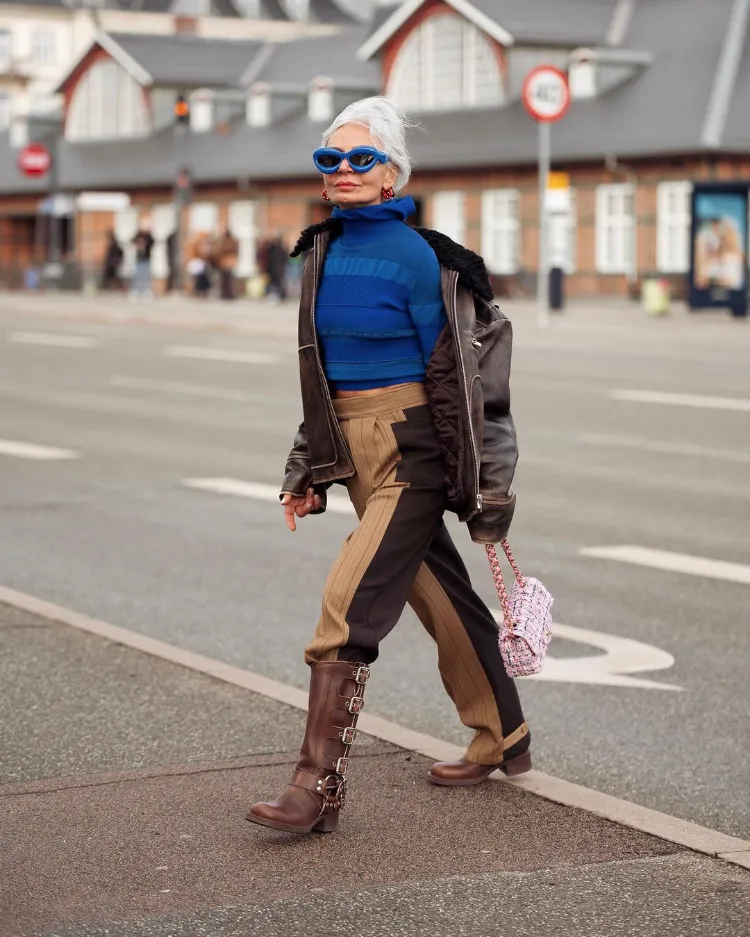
(298, 474)
(499, 452)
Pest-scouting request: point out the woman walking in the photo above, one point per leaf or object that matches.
(404, 366)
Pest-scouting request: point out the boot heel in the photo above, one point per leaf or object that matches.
(518, 765)
(327, 823)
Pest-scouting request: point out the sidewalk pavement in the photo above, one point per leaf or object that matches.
(124, 780)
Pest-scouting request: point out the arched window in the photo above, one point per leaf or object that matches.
(107, 103)
(446, 63)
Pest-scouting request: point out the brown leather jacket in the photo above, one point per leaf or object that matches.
(467, 385)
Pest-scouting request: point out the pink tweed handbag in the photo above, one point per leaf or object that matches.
(527, 618)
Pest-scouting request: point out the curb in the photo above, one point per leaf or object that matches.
(661, 825)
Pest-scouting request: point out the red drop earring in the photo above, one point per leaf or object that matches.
(387, 193)
(325, 195)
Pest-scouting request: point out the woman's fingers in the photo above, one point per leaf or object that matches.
(299, 506)
(288, 506)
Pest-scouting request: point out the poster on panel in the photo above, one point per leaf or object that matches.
(719, 244)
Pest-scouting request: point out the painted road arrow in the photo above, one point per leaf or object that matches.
(621, 657)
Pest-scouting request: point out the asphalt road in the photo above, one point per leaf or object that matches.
(116, 533)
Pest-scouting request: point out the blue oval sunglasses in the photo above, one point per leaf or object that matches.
(361, 158)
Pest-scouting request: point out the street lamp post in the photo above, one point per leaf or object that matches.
(182, 184)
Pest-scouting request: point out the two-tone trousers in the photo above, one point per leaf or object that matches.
(402, 552)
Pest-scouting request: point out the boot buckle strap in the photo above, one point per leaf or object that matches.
(348, 735)
(341, 765)
(355, 705)
(331, 788)
(362, 675)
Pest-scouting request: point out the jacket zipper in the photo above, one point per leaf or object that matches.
(472, 438)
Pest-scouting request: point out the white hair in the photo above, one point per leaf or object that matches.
(387, 124)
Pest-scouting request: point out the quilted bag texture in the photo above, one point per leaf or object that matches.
(527, 618)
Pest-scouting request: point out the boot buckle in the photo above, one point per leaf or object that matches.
(340, 766)
(348, 735)
(355, 705)
(362, 675)
(333, 791)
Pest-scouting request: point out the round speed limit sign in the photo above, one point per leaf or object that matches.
(545, 94)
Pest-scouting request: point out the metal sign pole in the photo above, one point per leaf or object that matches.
(543, 277)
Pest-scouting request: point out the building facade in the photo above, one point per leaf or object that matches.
(658, 103)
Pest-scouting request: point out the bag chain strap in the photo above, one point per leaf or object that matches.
(497, 575)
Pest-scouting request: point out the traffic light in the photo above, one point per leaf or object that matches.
(182, 110)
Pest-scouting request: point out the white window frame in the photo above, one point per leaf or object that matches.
(622, 224)
(44, 49)
(507, 223)
(6, 110)
(449, 214)
(420, 91)
(567, 230)
(163, 224)
(673, 229)
(203, 218)
(6, 46)
(243, 226)
(89, 117)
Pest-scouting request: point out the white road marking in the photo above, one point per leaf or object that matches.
(28, 450)
(56, 341)
(220, 354)
(673, 829)
(622, 656)
(682, 400)
(668, 448)
(337, 504)
(180, 387)
(672, 562)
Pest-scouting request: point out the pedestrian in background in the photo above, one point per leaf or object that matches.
(113, 258)
(226, 253)
(277, 261)
(404, 370)
(199, 265)
(144, 244)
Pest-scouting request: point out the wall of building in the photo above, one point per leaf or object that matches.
(289, 206)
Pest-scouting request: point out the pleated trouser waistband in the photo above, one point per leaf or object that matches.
(385, 401)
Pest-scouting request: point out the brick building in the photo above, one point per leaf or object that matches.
(659, 101)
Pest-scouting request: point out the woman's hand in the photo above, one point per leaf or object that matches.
(299, 505)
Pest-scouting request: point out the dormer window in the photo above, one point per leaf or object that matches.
(320, 100)
(446, 63)
(259, 106)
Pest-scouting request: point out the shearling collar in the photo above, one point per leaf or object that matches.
(472, 272)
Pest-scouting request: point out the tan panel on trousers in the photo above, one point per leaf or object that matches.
(460, 668)
(375, 493)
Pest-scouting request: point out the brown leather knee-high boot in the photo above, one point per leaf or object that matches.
(317, 790)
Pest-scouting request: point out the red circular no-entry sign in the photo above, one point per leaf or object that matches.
(545, 93)
(34, 160)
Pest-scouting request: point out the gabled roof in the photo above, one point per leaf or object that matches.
(176, 61)
(514, 22)
(554, 22)
(331, 57)
(403, 13)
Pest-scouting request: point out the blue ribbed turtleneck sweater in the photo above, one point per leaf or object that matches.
(379, 308)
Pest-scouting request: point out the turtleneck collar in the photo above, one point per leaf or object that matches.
(372, 221)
